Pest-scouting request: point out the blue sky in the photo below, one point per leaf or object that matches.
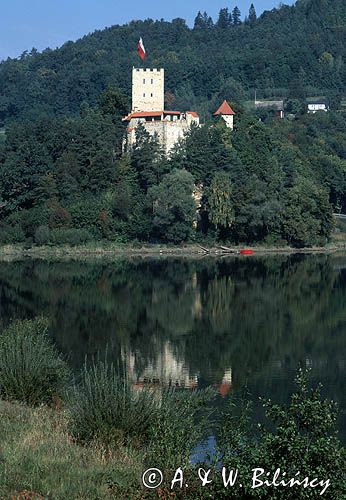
(49, 23)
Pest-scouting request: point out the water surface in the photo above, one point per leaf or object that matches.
(231, 322)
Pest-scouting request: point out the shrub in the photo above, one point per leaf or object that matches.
(105, 407)
(11, 234)
(70, 236)
(85, 215)
(31, 370)
(180, 424)
(42, 235)
(29, 220)
(303, 439)
(59, 217)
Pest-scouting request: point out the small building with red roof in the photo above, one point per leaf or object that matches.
(226, 113)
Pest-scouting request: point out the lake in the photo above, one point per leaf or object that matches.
(243, 325)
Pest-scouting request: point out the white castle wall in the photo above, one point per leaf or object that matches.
(167, 132)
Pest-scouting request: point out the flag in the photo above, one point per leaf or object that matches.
(141, 49)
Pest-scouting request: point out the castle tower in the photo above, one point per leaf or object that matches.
(148, 89)
(227, 114)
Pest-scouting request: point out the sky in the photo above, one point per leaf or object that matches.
(50, 23)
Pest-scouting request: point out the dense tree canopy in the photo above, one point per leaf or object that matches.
(302, 46)
(64, 177)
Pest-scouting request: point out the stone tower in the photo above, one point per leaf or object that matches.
(148, 89)
(226, 113)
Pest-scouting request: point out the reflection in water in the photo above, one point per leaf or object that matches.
(231, 322)
(167, 370)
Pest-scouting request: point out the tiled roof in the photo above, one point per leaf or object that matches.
(152, 114)
(144, 114)
(224, 109)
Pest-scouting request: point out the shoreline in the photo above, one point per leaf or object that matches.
(157, 250)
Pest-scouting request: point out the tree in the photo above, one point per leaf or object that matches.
(174, 209)
(223, 21)
(147, 159)
(208, 20)
(307, 217)
(113, 102)
(236, 16)
(203, 152)
(199, 21)
(252, 14)
(219, 201)
(203, 21)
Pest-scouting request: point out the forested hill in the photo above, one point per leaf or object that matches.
(287, 52)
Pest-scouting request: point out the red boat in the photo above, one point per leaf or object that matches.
(246, 251)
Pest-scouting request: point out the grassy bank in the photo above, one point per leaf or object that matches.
(99, 249)
(39, 459)
(93, 436)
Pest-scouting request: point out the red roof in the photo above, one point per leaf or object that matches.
(149, 114)
(224, 109)
(143, 114)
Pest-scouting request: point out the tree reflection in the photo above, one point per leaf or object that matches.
(229, 321)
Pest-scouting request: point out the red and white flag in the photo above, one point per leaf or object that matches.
(141, 49)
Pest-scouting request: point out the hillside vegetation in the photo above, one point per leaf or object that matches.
(290, 51)
(64, 179)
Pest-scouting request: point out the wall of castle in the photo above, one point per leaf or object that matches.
(148, 89)
(168, 132)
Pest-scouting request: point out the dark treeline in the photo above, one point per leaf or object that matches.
(65, 180)
(288, 52)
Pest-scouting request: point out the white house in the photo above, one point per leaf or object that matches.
(314, 106)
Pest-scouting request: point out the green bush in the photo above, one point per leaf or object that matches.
(42, 235)
(105, 407)
(31, 370)
(301, 438)
(11, 234)
(70, 236)
(29, 220)
(180, 424)
(86, 215)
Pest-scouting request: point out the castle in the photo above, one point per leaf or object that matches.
(148, 91)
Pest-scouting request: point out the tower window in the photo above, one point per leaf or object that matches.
(152, 81)
(144, 81)
(151, 95)
(143, 95)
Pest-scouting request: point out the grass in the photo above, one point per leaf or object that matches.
(38, 459)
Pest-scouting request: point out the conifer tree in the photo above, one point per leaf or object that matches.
(223, 21)
(236, 16)
(203, 21)
(252, 14)
(208, 21)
